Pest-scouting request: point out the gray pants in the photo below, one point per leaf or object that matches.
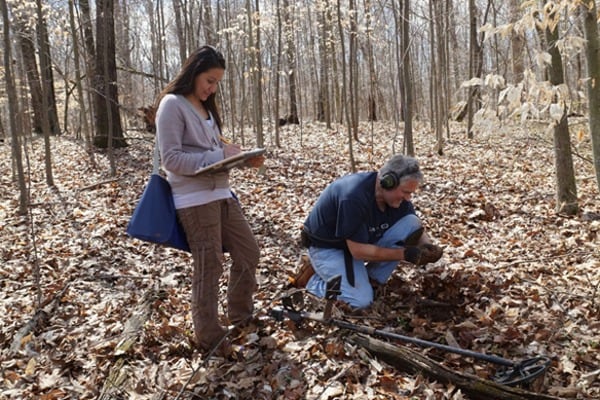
(211, 229)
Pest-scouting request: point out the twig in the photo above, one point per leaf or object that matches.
(95, 185)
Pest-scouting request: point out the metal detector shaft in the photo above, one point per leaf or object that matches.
(297, 315)
(423, 343)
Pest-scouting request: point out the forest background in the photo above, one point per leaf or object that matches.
(497, 99)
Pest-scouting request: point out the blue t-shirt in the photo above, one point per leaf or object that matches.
(347, 209)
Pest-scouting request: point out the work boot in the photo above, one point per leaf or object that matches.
(430, 253)
(305, 271)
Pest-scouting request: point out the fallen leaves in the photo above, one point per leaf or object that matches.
(515, 280)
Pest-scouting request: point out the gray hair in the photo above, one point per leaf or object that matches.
(405, 167)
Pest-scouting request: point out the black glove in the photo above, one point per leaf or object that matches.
(412, 239)
(430, 253)
(423, 255)
(412, 254)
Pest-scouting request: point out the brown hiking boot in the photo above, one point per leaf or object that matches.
(305, 271)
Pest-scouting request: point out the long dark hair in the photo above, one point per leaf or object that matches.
(201, 60)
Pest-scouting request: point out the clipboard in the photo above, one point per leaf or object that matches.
(230, 162)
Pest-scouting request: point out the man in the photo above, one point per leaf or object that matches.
(361, 226)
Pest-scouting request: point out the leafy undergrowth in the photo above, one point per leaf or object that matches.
(516, 280)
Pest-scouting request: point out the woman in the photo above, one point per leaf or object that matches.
(189, 138)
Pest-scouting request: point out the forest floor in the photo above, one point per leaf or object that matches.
(516, 279)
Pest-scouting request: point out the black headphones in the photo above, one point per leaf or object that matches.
(390, 180)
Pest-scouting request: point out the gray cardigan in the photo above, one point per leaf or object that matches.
(187, 143)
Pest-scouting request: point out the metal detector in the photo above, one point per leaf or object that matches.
(512, 374)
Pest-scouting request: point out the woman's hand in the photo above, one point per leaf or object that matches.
(230, 150)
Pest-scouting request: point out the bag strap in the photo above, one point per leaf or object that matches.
(155, 157)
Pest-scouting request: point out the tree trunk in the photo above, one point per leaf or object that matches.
(344, 86)
(474, 54)
(83, 117)
(26, 44)
(276, 75)
(90, 53)
(46, 73)
(106, 92)
(207, 22)
(593, 83)
(180, 29)
(47, 85)
(325, 49)
(407, 79)
(566, 188)
(124, 47)
(258, 78)
(292, 117)
(517, 42)
(13, 110)
(370, 59)
(353, 99)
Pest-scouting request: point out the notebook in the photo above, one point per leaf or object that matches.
(230, 162)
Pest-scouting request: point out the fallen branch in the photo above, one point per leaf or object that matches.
(411, 361)
(119, 375)
(38, 319)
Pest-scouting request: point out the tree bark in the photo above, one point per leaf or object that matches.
(26, 43)
(258, 78)
(13, 110)
(83, 117)
(325, 49)
(353, 99)
(593, 83)
(517, 42)
(106, 97)
(474, 62)
(46, 74)
(292, 117)
(407, 79)
(566, 188)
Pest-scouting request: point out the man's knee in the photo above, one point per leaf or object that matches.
(412, 220)
(359, 298)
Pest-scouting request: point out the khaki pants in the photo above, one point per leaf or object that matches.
(210, 228)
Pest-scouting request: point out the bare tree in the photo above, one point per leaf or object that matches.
(325, 51)
(106, 98)
(517, 44)
(180, 29)
(47, 86)
(475, 66)
(566, 188)
(344, 89)
(46, 71)
(87, 34)
(593, 82)
(292, 116)
(13, 107)
(26, 39)
(258, 103)
(353, 100)
(407, 98)
(83, 117)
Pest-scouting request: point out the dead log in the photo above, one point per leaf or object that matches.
(411, 361)
(118, 375)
